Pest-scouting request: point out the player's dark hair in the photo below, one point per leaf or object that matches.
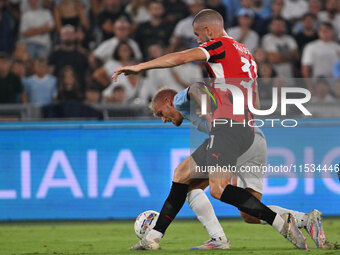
(115, 55)
(207, 15)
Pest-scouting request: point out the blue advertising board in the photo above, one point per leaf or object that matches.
(115, 170)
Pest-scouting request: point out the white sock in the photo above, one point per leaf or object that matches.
(278, 223)
(200, 204)
(154, 235)
(300, 217)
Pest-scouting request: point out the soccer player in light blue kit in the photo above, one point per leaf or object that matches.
(174, 107)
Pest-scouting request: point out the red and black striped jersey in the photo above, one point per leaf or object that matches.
(230, 62)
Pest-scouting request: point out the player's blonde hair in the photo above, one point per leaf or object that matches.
(160, 96)
(207, 16)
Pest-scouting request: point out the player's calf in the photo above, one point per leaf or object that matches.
(215, 192)
(217, 186)
(246, 217)
(249, 219)
(171, 207)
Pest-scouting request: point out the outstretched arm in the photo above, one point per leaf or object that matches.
(169, 60)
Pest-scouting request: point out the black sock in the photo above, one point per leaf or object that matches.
(172, 206)
(246, 202)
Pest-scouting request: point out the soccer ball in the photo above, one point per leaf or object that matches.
(145, 222)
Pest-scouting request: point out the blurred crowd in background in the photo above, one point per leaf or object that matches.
(62, 53)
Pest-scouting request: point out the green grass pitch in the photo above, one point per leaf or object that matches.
(116, 237)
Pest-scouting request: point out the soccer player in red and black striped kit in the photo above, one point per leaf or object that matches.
(227, 62)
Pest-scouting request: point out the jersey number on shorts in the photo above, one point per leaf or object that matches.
(211, 141)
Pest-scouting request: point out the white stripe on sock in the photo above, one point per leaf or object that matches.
(278, 223)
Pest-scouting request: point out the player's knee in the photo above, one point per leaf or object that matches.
(215, 192)
(198, 184)
(181, 178)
